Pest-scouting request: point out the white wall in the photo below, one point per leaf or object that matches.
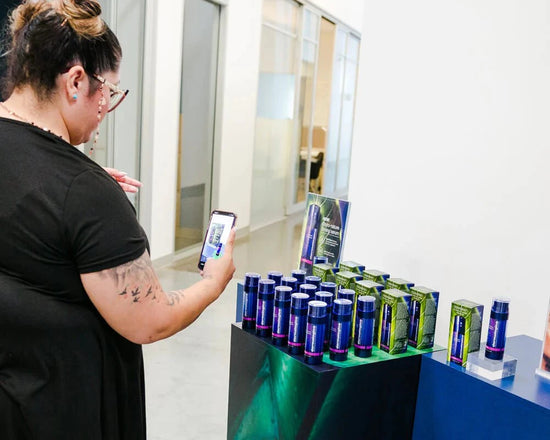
(449, 182)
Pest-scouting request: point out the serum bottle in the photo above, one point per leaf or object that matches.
(385, 327)
(297, 325)
(496, 337)
(250, 300)
(364, 326)
(315, 332)
(281, 315)
(341, 329)
(457, 345)
(326, 297)
(264, 310)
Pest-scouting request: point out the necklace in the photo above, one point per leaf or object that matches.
(12, 113)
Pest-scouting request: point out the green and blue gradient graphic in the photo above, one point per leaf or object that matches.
(273, 395)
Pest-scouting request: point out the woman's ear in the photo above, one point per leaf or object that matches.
(75, 83)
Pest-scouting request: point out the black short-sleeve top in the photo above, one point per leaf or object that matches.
(64, 373)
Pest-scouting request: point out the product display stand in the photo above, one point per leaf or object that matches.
(273, 394)
(489, 368)
(454, 403)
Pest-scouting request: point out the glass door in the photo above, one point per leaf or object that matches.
(119, 142)
(315, 101)
(323, 103)
(275, 113)
(201, 25)
(338, 151)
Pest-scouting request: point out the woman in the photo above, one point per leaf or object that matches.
(78, 293)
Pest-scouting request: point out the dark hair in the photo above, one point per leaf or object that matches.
(46, 37)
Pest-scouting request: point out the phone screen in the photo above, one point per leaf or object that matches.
(216, 237)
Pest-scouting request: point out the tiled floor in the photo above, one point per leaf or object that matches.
(187, 376)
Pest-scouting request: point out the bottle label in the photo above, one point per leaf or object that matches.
(264, 316)
(280, 322)
(364, 333)
(297, 330)
(249, 306)
(339, 337)
(496, 338)
(315, 335)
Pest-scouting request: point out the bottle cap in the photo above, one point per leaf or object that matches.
(324, 296)
(347, 294)
(299, 300)
(313, 279)
(282, 293)
(366, 304)
(328, 286)
(317, 309)
(251, 279)
(266, 286)
(276, 276)
(500, 305)
(317, 259)
(310, 289)
(291, 282)
(341, 307)
(299, 274)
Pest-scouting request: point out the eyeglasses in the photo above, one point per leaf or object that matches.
(117, 94)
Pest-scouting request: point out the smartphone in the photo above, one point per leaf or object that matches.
(219, 227)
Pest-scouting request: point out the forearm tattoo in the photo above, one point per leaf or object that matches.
(136, 281)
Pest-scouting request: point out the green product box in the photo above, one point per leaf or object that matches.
(347, 280)
(400, 284)
(370, 288)
(423, 315)
(464, 330)
(325, 271)
(394, 321)
(352, 266)
(376, 275)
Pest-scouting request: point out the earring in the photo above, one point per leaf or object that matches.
(75, 96)
(101, 103)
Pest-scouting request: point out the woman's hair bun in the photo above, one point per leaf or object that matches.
(83, 16)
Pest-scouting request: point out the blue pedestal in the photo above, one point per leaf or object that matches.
(455, 404)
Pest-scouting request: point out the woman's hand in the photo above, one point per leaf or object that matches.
(221, 270)
(127, 183)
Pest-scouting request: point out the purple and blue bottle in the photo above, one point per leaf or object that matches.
(250, 300)
(315, 332)
(264, 309)
(385, 327)
(281, 315)
(457, 344)
(297, 324)
(364, 326)
(328, 298)
(496, 337)
(340, 329)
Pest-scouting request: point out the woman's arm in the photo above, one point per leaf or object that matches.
(132, 301)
